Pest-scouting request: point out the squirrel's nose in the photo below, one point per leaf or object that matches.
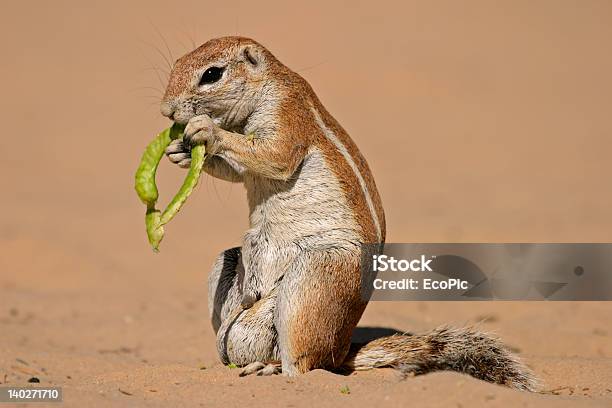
(167, 109)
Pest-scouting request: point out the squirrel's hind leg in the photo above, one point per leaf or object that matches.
(244, 336)
(319, 305)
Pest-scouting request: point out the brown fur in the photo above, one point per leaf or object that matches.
(295, 119)
(321, 327)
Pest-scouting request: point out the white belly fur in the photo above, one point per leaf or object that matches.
(288, 218)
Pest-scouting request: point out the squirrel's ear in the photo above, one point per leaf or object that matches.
(252, 56)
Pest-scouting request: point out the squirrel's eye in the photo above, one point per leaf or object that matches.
(212, 74)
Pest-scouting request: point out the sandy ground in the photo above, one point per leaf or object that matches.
(482, 122)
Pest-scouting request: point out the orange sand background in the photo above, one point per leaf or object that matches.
(482, 122)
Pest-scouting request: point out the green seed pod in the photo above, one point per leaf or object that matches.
(147, 189)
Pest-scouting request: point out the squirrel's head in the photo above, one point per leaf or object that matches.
(223, 78)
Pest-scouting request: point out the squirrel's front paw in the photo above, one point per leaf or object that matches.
(179, 154)
(202, 130)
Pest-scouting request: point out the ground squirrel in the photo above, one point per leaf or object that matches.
(290, 297)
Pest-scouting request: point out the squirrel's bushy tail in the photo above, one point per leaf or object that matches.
(465, 350)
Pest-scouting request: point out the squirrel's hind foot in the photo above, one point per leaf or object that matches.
(260, 368)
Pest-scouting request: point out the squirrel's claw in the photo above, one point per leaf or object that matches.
(270, 369)
(252, 368)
